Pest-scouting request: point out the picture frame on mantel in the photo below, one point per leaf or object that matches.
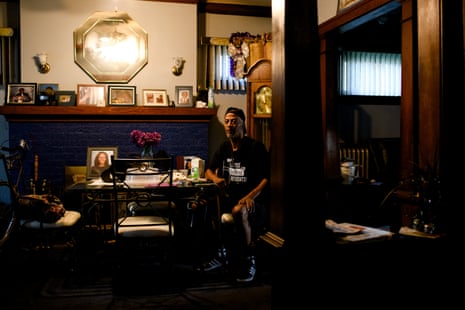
(121, 95)
(155, 97)
(66, 97)
(21, 93)
(91, 95)
(183, 95)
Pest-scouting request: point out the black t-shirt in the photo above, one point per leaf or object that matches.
(243, 169)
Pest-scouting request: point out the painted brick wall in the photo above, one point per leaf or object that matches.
(61, 144)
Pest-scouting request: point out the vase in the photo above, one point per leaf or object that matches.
(147, 152)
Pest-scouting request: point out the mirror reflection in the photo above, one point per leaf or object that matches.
(111, 47)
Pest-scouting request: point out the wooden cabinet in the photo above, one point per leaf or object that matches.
(259, 96)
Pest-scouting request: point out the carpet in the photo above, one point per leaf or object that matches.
(143, 282)
(75, 287)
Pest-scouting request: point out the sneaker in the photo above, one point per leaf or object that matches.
(211, 265)
(248, 274)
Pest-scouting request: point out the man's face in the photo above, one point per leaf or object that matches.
(233, 126)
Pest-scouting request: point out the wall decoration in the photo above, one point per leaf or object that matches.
(21, 93)
(91, 95)
(121, 95)
(155, 97)
(45, 87)
(110, 47)
(344, 4)
(66, 97)
(183, 95)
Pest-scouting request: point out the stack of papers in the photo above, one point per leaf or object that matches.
(349, 232)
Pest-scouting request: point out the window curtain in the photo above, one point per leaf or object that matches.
(218, 68)
(370, 74)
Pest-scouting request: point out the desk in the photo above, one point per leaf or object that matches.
(95, 201)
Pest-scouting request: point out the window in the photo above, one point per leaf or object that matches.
(218, 70)
(369, 74)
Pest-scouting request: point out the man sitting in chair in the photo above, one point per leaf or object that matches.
(240, 168)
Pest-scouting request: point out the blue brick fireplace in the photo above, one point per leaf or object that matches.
(65, 144)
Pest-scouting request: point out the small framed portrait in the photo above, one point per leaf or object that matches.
(99, 159)
(344, 4)
(66, 97)
(47, 94)
(155, 97)
(91, 95)
(21, 93)
(121, 95)
(183, 95)
(48, 87)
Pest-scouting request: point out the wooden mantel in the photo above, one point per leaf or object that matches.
(25, 113)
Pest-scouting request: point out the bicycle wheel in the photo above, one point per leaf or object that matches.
(8, 220)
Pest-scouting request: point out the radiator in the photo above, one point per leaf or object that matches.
(360, 156)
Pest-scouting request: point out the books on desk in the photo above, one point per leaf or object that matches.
(349, 233)
(407, 231)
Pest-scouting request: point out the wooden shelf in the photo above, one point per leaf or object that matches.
(32, 113)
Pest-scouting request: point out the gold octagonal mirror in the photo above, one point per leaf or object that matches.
(110, 47)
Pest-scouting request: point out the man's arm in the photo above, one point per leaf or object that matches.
(213, 176)
(249, 199)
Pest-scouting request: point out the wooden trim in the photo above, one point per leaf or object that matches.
(369, 100)
(105, 114)
(234, 9)
(226, 9)
(175, 1)
(356, 15)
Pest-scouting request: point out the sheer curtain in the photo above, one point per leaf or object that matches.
(370, 74)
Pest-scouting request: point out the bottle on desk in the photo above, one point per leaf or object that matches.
(195, 172)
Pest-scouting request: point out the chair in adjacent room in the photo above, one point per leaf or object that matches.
(143, 218)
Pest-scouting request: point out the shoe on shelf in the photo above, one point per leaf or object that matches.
(213, 264)
(247, 274)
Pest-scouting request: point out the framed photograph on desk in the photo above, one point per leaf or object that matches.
(99, 159)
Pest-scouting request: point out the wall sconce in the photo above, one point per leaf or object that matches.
(44, 67)
(178, 66)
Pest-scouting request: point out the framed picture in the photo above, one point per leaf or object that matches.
(46, 87)
(99, 159)
(343, 4)
(66, 97)
(91, 95)
(121, 95)
(155, 97)
(183, 95)
(21, 93)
